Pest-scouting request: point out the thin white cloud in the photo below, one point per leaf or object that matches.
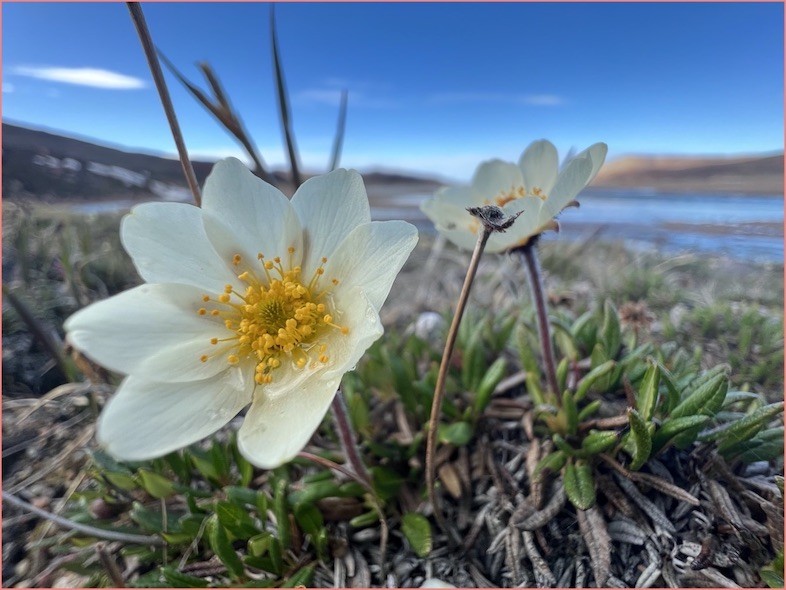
(542, 100)
(8, 88)
(92, 77)
(332, 97)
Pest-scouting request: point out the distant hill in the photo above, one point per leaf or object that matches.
(44, 165)
(750, 174)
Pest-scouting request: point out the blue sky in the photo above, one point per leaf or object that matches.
(432, 87)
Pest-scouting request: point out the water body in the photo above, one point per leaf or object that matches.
(747, 227)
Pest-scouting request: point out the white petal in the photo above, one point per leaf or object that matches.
(126, 332)
(495, 177)
(354, 310)
(276, 429)
(463, 238)
(461, 196)
(539, 165)
(570, 182)
(371, 256)
(446, 214)
(145, 419)
(329, 207)
(168, 244)
(597, 152)
(245, 215)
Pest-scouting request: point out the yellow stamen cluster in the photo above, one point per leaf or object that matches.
(519, 192)
(277, 317)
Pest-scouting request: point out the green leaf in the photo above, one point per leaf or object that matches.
(365, 519)
(490, 380)
(595, 375)
(579, 484)
(610, 332)
(156, 485)
(642, 440)
(772, 574)
(241, 495)
(552, 462)
(259, 544)
(281, 512)
(302, 577)
(235, 520)
(387, 482)
(706, 399)
(473, 361)
(748, 426)
(309, 518)
(178, 579)
(219, 543)
(563, 445)
(562, 373)
(149, 520)
(647, 396)
(589, 409)
(417, 530)
(674, 426)
(316, 491)
(598, 441)
(457, 434)
(571, 413)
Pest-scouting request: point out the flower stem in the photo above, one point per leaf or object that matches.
(346, 435)
(439, 389)
(155, 69)
(530, 257)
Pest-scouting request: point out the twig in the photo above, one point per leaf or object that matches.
(283, 103)
(110, 566)
(222, 110)
(439, 389)
(38, 331)
(341, 126)
(323, 462)
(155, 69)
(82, 528)
(530, 257)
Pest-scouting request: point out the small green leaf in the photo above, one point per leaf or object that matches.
(648, 391)
(552, 462)
(705, 399)
(219, 543)
(748, 426)
(156, 485)
(571, 413)
(610, 332)
(302, 577)
(674, 426)
(490, 380)
(598, 441)
(316, 491)
(365, 519)
(457, 434)
(473, 361)
(417, 530)
(259, 544)
(281, 512)
(589, 409)
(642, 440)
(595, 375)
(579, 484)
(235, 520)
(178, 579)
(309, 518)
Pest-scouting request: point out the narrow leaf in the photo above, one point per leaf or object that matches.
(417, 530)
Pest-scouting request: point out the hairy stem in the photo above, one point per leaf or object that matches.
(439, 389)
(346, 435)
(158, 76)
(529, 256)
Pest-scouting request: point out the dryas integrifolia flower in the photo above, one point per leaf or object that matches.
(251, 299)
(536, 187)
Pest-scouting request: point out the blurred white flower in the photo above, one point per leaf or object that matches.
(536, 185)
(252, 299)
(435, 583)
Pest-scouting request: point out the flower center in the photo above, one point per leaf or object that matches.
(279, 316)
(517, 192)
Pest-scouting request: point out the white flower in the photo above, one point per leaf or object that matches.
(252, 299)
(535, 185)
